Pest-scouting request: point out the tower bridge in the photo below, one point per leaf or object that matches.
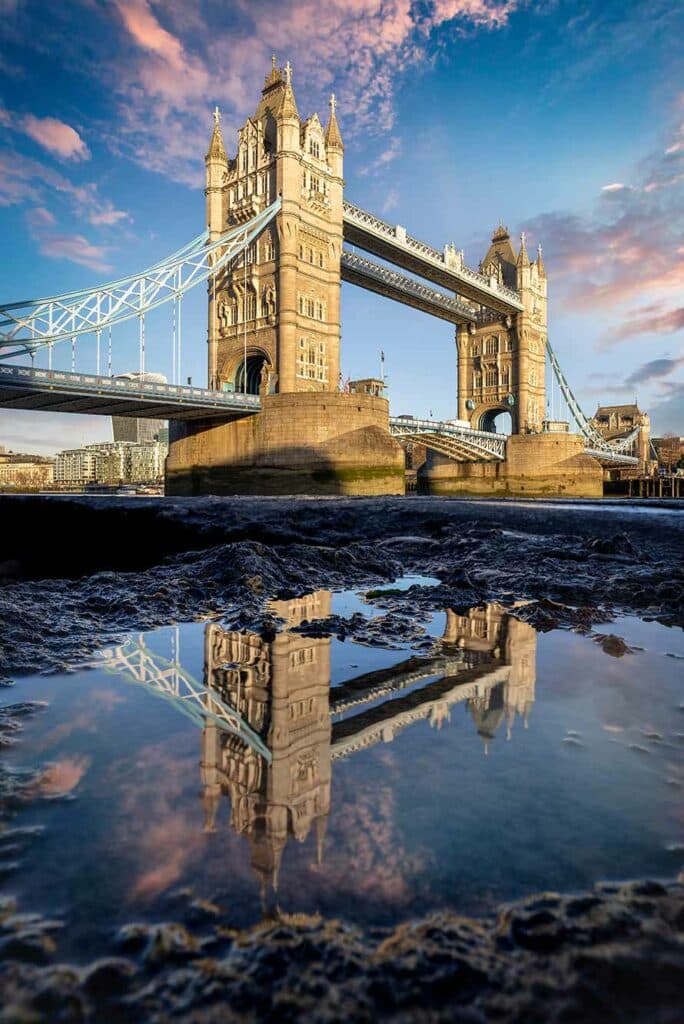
(274, 417)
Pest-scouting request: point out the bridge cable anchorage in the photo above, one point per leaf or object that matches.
(32, 324)
(595, 443)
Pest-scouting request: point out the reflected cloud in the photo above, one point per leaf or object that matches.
(63, 776)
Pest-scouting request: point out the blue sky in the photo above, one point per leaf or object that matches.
(566, 119)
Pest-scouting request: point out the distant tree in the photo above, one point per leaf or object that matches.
(669, 451)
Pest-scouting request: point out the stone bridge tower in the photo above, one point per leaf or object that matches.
(502, 360)
(281, 687)
(281, 304)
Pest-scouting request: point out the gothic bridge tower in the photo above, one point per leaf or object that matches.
(502, 360)
(282, 304)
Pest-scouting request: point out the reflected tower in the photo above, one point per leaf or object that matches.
(491, 632)
(281, 688)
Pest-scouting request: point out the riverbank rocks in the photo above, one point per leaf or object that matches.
(614, 954)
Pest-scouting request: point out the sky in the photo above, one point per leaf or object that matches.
(564, 118)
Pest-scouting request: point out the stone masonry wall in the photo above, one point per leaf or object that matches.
(306, 443)
(536, 465)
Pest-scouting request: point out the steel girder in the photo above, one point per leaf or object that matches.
(456, 442)
(385, 281)
(391, 242)
(168, 679)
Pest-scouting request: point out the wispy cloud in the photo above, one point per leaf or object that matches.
(59, 246)
(170, 67)
(655, 369)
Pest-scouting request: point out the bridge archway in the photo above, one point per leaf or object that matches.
(495, 420)
(254, 365)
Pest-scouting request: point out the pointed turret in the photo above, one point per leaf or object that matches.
(541, 270)
(523, 258)
(287, 107)
(500, 258)
(216, 151)
(333, 137)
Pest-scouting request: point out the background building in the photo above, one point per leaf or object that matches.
(130, 428)
(24, 471)
(112, 462)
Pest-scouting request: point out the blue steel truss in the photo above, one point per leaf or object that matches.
(30, 325)
(165, 678)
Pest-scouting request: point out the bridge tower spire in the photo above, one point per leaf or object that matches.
(278, 318)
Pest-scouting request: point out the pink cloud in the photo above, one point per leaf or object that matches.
(63, 776)
(651, 320)
(107, 215)
(57, 137)
(72, 247)
(176, 67)
(626, 251)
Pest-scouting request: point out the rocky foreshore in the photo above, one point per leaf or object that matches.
(78, 572)
(613, 954)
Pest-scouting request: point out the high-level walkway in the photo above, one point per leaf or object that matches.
(391, 242)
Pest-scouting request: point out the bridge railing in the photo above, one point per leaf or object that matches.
(125, 386)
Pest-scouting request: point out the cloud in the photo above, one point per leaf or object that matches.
(655, 369)
(628, 248)
(391, 201)
(650, 320)
(48, 432)
(58, 138)
(667, 412)
(170, 65)
(108, 215)
(63, 776)
(386, 157)
(73, 247)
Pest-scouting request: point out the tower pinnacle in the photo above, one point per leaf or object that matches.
(216, 151)
(541, 269)
(333, 137)
(523, 258)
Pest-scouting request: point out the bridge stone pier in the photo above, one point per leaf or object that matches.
(536, 465)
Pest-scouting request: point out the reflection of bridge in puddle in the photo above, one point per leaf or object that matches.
(281, 689)
(272, 724)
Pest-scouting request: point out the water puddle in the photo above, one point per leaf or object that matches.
(312, 774)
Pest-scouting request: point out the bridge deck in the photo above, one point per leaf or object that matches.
(55, 391)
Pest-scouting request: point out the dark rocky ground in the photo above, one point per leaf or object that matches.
(75, 573)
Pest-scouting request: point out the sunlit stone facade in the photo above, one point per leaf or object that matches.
(280, 306)
(502, 360)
